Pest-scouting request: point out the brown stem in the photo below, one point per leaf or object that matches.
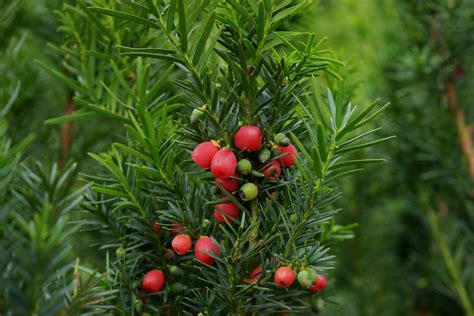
(66, 130)
(465, 131)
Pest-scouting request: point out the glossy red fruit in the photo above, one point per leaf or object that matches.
(230, 185)
(177, 229)
(203, 154)
(289, 159)
(203, 248)
(181, 244)
(248, 138)
(153, 281)
(156, 227)
(284, 277)
(223, 164)
(319, 285)
(274, 165)
(227, 211)
(254, 275)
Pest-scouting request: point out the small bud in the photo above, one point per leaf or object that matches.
(257, 174)
(248, 192)
(304, 279)
(205, 223)
(175, 270)
(264, 155)
(281, 139)
(120, 252)
(250, 69)
(244, 166)
(294, 218)
(197, 114)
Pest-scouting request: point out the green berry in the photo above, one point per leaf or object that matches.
(264, 155)
(294, 218)
(244, 166)
(120, 252)
(205, 223)
(281, 139)
(197, 114)
(175, 270)
(257, 174)
(304, 278)
(248, 192)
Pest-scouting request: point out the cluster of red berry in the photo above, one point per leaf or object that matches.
(242, 168)
(181, 244)
(285, 277)
(256, 161)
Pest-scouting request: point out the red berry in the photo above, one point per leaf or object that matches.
(177, 229)
(319, 285)
(156, 227)
(227, 211)
(203, 248)
(224, 164)
(153, 281)
(181, 244)
(284, 277)
(254, 275)
(230, 185)
(203, 154)
(275, 165)
(288, 160)
(248, 138)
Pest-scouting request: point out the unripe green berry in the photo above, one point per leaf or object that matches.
(281, 139)
(120, 252)
(248, 192)
(257, 174)
(294, 218)
(197, 114)
(244, 166)
(205, 223)
(175, 270)
(304, 279)
(264, 155)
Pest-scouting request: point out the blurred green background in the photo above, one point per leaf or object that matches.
(413, 250)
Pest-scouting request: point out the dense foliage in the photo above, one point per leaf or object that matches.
(125, 91)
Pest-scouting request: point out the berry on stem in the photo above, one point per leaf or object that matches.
(224, 164)
(204, 153)
(156, 228)
(230, 185)
(181, 244)
(248, 138)
(177, 229)
(273, 167)
(254, 275)
(319, 285)
(248, 191)
(264, 155)
(281, 139)
(227, 211)
(284, 277)
(304, 278)
(153, 281)
(203, 249)
(244, 166)
(289, 159)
